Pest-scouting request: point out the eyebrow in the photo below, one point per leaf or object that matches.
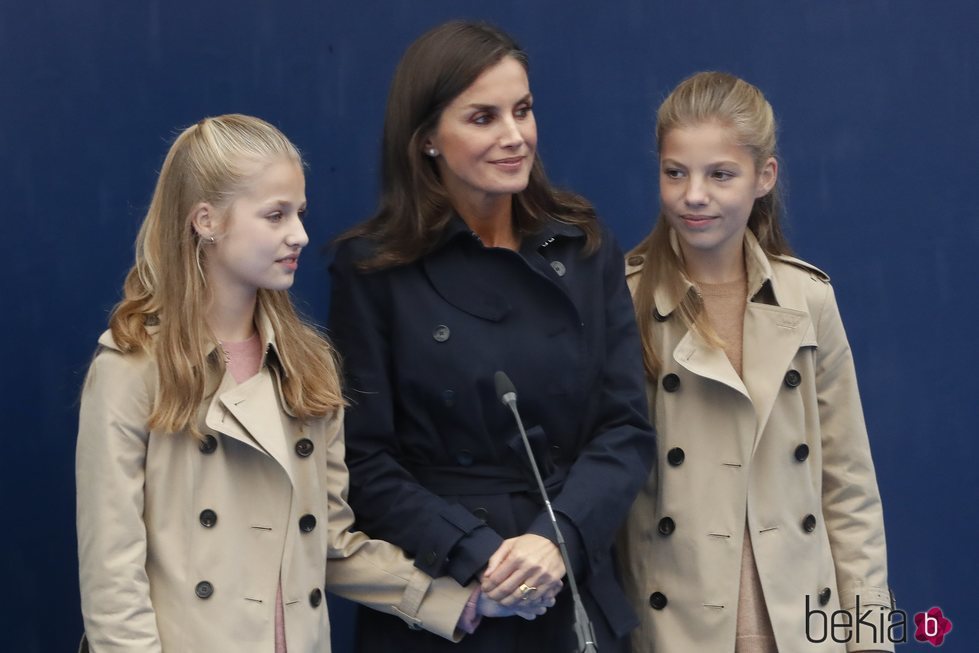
(489, 107)
(712, 164)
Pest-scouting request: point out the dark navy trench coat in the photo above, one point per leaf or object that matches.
(436, 463)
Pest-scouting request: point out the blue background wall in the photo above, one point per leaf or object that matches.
(877, 101)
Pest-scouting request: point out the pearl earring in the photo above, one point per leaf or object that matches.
(432, 152)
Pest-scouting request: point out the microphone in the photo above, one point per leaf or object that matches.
(582, 625)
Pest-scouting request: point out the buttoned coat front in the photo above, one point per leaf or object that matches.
(182, 542)
(784, 449)
(437, 465)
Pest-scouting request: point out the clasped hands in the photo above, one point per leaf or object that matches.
(522, 578)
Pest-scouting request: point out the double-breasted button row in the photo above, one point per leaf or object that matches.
(657, 600)
(209, 444)
(793, 378)
(666, 526)
(809, 523)
(671, 382)
(304, 448)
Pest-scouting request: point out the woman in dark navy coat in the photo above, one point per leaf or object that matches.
(473, 264)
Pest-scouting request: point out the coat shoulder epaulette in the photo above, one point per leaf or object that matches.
(813, 271)
(634, 263)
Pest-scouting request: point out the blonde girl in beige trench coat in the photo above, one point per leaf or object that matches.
(764, 499)
(212, 512)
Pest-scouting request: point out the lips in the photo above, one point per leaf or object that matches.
(695, 221)
(510, 163)
(290, 262)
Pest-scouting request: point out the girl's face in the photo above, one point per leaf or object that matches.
(486, 137)
(708, 186)
(257, 243)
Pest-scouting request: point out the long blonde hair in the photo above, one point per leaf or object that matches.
(707, 97)
(210, 162)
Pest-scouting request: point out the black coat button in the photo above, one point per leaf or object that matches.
(449, 398)
(209, 445)
(635, 259)
(441, 333)
(802, 452)
(481, 514)
(307, 523)
(304, 448)
(558, 267)
(204, 590)
(824, 595)
(431, 558)
(675, 456)
(316, 597)
(671, 382)
(666, 526)
(809, 523)
(208, 518)
(464, 457)
(659, 317)
(793, 378)
(657, 600)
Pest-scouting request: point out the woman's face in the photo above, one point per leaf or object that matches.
(486, 137)
(708, 185)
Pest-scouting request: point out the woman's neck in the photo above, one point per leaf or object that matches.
(492, 221)
(715, 268)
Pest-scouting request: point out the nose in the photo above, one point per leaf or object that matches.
(511, 136)
(695, 193)
(297, 237)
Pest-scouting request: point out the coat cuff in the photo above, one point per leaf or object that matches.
(471, 553)
(440, 609)
(873, 604)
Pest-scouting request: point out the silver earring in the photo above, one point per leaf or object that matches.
(432, 152)
(210, 239)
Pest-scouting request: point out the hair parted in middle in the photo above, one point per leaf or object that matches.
(212, 161)
(705, 98)
(414, 206)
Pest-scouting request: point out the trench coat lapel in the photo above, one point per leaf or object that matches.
(773, 334)
(247, 413)
(697, 357)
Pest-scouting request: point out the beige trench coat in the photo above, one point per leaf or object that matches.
(181, 544)
(786, 445)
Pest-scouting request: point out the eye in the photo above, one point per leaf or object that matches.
(523, 111)
(482, 118)
(275, 216)
(672, 173)
(302, 213)
(722, 175)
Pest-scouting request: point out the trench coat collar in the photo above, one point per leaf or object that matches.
(252, 412)
(457, 277)
(776, 325)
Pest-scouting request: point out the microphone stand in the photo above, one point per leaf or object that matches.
(582, 624)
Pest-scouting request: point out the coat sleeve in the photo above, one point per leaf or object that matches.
(444, 537)
(616, 460)
(851, 501)
(109, 473)
(378, 574)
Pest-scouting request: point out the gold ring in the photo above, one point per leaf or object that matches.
(526, 589)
